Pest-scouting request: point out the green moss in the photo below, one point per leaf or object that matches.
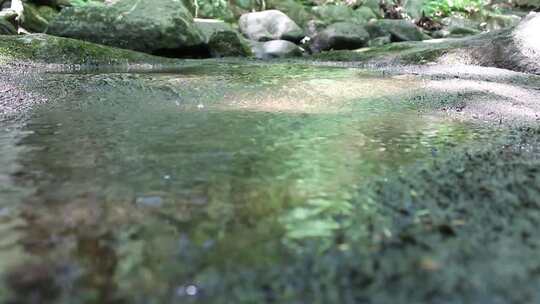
(41, 48)
(423, 56)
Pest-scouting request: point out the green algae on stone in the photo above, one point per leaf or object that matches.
(34, 21)
(42, 48)
(228, 44)
(6, 28)
(157, 27)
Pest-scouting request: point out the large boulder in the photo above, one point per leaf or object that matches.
(340, 36)
(275, 49)
(399, 30)
(163, 27)
(270, 25)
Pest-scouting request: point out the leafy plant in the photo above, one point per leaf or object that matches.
(444, 8)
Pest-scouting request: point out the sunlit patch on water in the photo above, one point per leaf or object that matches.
(153, 187)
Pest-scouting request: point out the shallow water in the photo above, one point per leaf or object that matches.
(200, 183)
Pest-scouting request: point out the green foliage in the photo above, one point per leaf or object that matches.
(218, 9)
(444, 8)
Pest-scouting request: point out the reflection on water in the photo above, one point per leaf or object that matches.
(198, 185)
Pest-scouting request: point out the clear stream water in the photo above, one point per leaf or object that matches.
(172, 187)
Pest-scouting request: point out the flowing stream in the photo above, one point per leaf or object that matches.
(202, 182)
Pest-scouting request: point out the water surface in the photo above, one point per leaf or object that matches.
(200, 184)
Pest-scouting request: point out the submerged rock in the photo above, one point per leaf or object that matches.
(163, 27)
(270, 25)
(340, 36)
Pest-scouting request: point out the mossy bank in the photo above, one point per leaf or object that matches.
(46, 49)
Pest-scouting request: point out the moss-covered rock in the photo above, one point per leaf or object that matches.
(221, 39)
(528, 3)
(340, 36)
(462, 31)
(270, 25)
(208, 27)
(399, 30)
(514, 48)
(42, 48)
(365, 13)
(35, 19)
(7, 20)
(162, 27)
(228, 44)
(6, 28)
(497, 21)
